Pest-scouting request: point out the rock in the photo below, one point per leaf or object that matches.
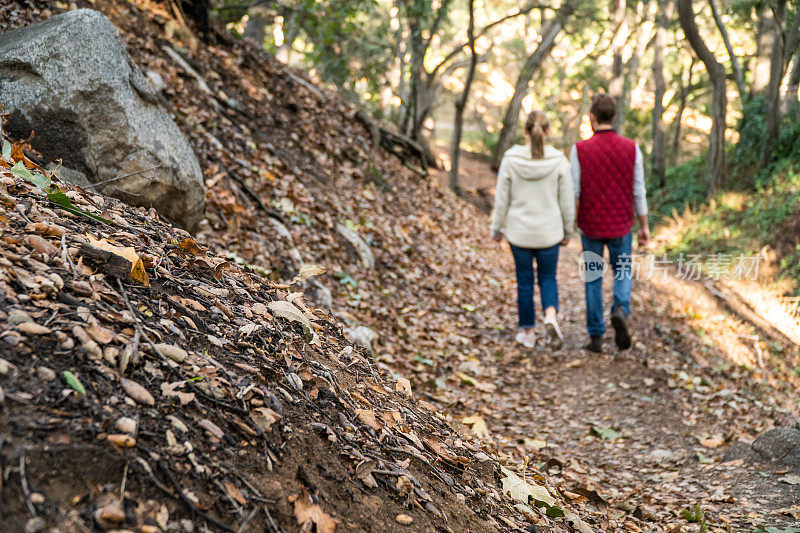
(742, 451)
(404, 519)
(126, 425)
(35, 525)
(71, 81)
(663, 455)
(777, 443)
(45, 374)
(403, 386)
(363, 336)
(155, 80)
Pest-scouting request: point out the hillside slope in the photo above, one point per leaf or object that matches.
(265, 418)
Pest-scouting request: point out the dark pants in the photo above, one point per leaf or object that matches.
(619, 256)
(546, 265)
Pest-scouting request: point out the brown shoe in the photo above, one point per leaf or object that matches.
(595, 344)
(621, 328)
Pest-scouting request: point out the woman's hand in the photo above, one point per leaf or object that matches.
(498, 237)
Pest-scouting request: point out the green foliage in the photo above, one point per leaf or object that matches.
(685, 186)
(695, 516)
(752, 130)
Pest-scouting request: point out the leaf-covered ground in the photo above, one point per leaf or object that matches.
(632, 441)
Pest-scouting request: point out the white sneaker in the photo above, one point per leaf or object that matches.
(526, 337)
(555, 339)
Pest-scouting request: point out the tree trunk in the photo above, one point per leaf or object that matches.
(764, 43)
(773, 100)
(791, 99)
(550, 31)
(738, 74)
(461, 103)
(618, 42)
(632, 67)
(676, 129)
(716, 146)
(659, 135)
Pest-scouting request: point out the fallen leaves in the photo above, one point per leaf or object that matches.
(126, 252)
(310, 514)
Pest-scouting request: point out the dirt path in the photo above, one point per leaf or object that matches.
(676, 402)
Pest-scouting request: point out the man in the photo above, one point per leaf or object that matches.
(608, 177)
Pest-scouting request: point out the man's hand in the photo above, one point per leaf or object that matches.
(643, 236)
(498, 237)
(564, 241)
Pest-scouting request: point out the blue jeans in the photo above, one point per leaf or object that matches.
(619, 254)
(546, 265)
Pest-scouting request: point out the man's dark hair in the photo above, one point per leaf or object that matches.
(604, 108)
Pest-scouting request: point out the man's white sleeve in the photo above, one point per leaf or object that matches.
(639, 193)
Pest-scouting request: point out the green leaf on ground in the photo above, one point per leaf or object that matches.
(73, 381)
(606, 433)
(62, 200)
(36, 178)
(7, 151)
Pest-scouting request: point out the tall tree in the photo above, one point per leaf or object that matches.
(461, 103)
(618, 42)
(631, 68)
(738, 74)
(765, 34)
(716, 71)
(776, 70)
(685, 90)
(550, 30)
(659, 135)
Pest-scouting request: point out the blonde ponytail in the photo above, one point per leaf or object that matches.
(536, 126)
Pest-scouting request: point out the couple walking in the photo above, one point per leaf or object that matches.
(537, 189)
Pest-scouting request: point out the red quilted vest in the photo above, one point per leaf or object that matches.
(605, 205)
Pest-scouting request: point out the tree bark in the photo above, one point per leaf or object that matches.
(550, 31)
(791, 100)
(716, 146)
(659, 135)
(618, 42)
(773, 96)
(461, 103)
(764, 42)
(738, 74)
(676, 128)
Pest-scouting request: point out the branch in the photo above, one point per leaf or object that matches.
(486, 29)
(737, 67)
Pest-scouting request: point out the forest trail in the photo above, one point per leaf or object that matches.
(639, 433)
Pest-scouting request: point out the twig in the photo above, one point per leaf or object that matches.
(188, 503)
(65, 254)
(138, 323)
(124, 481)
(247, 520)
(100, 183)
(23, 481)
(273, 527)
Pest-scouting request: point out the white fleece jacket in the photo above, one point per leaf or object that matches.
(534, 199)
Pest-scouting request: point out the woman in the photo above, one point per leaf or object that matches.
(534, 203)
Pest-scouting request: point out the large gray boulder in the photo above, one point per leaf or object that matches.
(71, 81)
